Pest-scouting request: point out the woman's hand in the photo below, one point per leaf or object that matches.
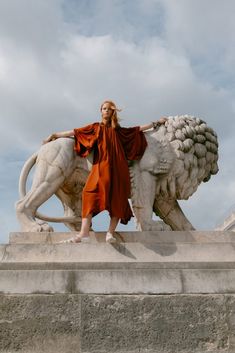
(153, 124)
(57, 135)
(162, 120)
(51, 137)
(159, 122)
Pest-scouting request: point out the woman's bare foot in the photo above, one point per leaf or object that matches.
(110, 238)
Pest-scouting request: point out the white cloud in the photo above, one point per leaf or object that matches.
(204, 31)
(32, 25)
(132, 21)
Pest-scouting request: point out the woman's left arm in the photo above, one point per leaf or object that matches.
(153, 125)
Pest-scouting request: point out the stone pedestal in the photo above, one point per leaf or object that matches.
(151, 292)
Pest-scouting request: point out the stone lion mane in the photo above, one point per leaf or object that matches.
(180, 155)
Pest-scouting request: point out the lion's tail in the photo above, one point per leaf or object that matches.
(25, 173)
(65, 219)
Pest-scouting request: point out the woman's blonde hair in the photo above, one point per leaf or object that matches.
(114, 118)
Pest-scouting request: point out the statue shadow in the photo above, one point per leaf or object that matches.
(165, 247)
(161, 249)
(170, 246)
(122, 248)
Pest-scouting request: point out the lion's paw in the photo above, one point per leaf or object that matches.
(41, 226)
(44, 226)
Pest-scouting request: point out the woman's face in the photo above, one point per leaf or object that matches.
(106, 113)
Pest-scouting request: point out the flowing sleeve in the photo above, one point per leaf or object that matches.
(85, 139)
(133, 141)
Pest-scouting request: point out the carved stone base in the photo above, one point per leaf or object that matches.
(151, 292)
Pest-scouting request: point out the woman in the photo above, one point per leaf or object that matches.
(108, 185)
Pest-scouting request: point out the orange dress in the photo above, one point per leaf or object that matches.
(108, 184)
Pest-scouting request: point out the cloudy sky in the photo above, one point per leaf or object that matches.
(59, 59)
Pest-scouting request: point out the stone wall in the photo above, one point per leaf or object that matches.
(117, 323)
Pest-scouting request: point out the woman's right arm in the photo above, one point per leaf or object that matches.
(153, 125)
(57, 135)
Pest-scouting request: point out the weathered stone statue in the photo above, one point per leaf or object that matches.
(179, 156)
(228, 223)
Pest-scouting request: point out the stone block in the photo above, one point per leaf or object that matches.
(231, 322)
(208, 281)
(33, 281)
(30, 238)
(154, 324)
(2, 251)
(40, 323)
(136, 281)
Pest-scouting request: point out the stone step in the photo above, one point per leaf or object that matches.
(128, 237)
(140, 262)
(133, 250)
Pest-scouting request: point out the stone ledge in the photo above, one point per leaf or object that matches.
(132, 282)
(128, 237)
(122, 253)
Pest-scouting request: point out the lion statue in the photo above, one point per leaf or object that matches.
(180, 155)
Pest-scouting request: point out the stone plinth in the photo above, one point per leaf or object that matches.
(151, 292)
